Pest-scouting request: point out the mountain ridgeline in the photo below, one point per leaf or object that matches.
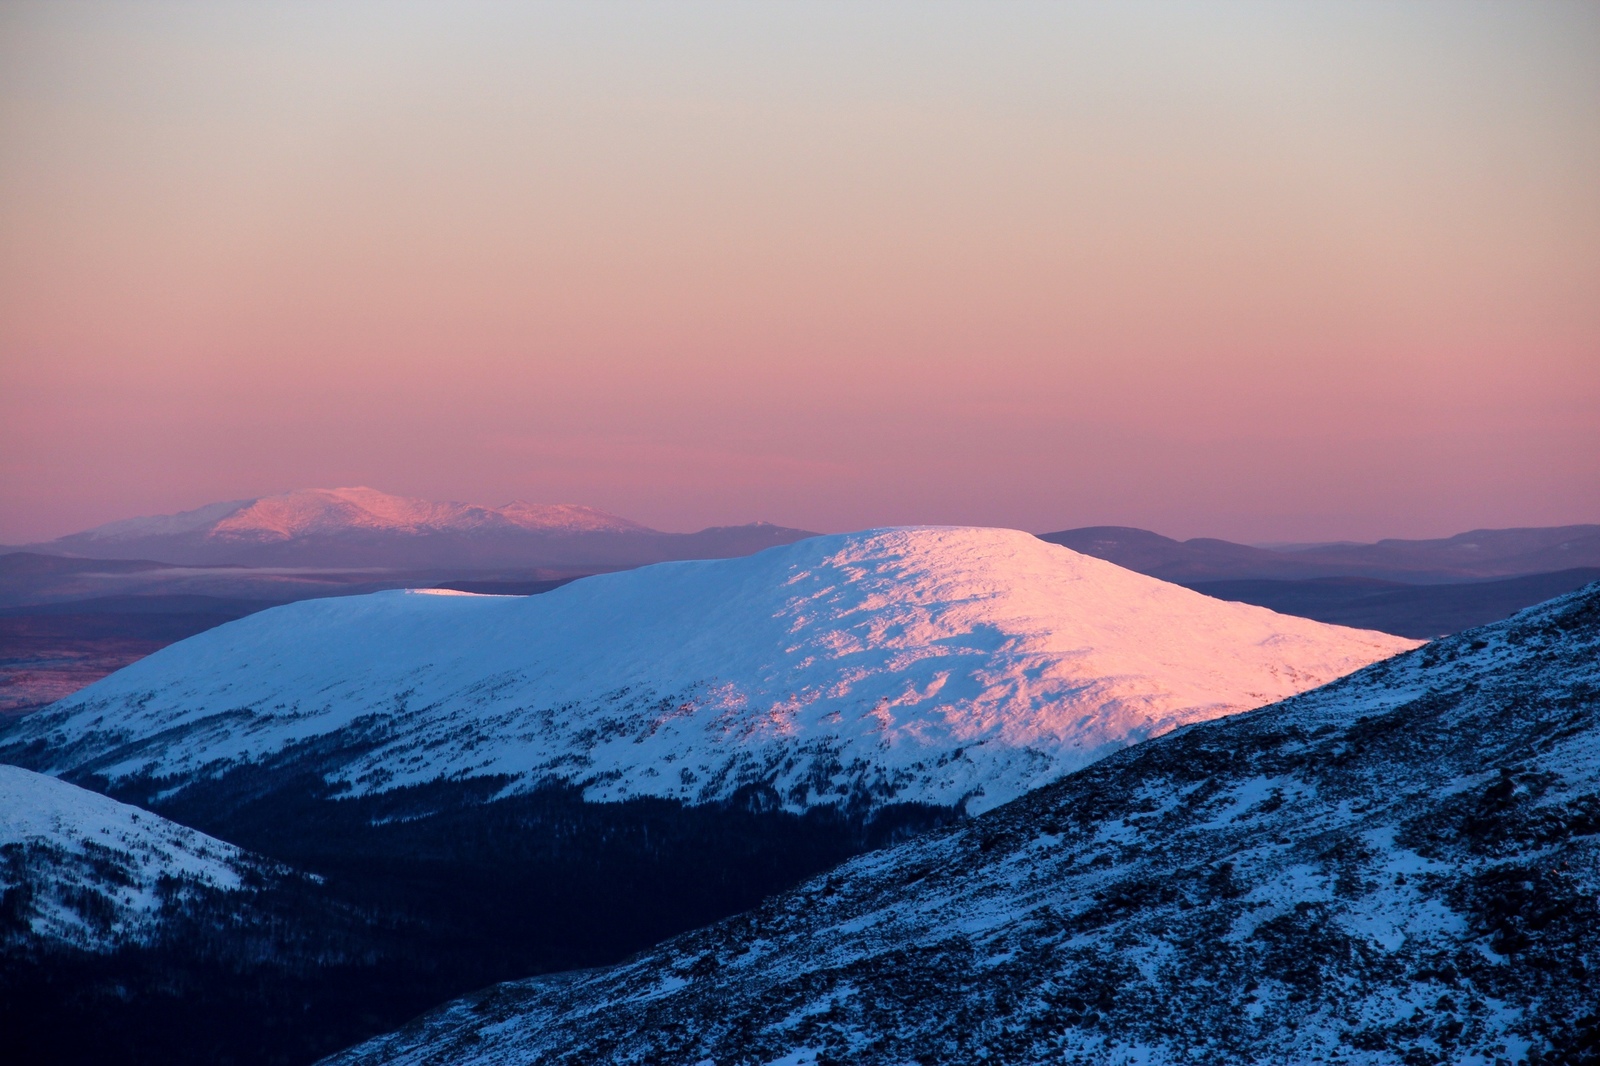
(1413, 588)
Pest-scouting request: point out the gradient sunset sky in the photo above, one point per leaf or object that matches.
(1259, 271)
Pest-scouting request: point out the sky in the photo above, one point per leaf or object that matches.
(1269, 272)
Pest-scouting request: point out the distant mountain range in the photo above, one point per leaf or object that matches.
(1415, 588)
(1480, 554)
(362, 527)
(81, 606)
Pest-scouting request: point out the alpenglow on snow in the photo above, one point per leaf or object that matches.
(945, 666)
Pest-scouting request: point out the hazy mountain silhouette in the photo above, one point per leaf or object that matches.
(1482, 553)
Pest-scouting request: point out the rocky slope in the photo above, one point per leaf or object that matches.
(1400, 867)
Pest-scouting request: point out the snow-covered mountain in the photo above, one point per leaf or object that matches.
(364, 527)
(81, 870)
(937, 666)
(1400, 867)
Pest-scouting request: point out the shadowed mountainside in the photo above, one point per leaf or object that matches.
(126, 937)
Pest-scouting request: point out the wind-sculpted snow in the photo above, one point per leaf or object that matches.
(937, 666)
(79, 869)
(1401, 867)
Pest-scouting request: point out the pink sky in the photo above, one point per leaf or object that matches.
(1265, 272)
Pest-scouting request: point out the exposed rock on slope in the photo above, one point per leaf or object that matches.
(1400, 867)
(934, 666)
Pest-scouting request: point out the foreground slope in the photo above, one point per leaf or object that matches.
(1400, 867)
(127, 938)
(80, 870)
(944, 667)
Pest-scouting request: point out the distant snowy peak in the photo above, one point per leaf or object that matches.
(315, 512)
(325, 512)
(79, 868)
(944, 666)
(362, 527)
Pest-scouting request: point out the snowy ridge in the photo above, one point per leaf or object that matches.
(937, 665)
(91, 869)
(1402, 867)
